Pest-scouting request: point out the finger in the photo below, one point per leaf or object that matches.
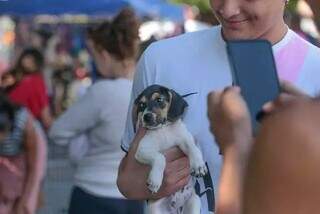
(174, 178)
(135, 143)
(181, 174)
(289, 88)
(177, 165)
(173, 153)
(139, 135)
(141, 132)
(214, 97)
(236, 89)
(268, 107)
(282, 100)
(181, 183)
(228, 88)
(233, 89)
(213, 101)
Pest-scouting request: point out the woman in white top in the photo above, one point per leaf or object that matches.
(101, 114)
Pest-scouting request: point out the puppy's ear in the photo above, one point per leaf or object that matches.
(177, 106)
(134, 116)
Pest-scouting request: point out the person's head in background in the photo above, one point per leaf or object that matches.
(283, 169)
(115, 44)
(7, 115)
(295, 21)
(251, 19)
(30, 61)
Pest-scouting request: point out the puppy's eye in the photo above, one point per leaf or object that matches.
(160, 99)
(142, 105)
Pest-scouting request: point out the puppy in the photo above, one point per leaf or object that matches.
(159, 110)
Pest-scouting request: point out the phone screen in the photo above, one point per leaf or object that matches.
(254, 71)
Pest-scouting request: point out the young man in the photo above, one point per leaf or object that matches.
(198, 62)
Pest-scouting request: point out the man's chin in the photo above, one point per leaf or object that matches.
(235, 35)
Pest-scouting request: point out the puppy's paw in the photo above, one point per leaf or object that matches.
(154, 185)
(199, 169)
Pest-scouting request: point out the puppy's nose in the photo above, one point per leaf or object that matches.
(148, 117)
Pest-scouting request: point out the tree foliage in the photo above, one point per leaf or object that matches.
(204, 5)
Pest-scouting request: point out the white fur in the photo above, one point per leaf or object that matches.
(149, 152)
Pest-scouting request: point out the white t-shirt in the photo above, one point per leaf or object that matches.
(198, 62)
(101, 114)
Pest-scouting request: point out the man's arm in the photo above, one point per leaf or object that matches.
(132, 176)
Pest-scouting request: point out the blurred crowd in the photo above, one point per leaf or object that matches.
(70, 85)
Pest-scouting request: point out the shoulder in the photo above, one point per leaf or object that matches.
(314, 52)
(180, 49)
(35, 77)
(312, 49)
(182, 43)
(312, 57)
(36, 80)
(110, 87)
(110, 84)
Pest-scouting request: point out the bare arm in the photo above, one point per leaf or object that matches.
(36, 151)
(78, 118)
(231, 181)
(132, 176)
(230, 124)
(46, 118)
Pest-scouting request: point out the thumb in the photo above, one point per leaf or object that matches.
(139, 135)
(289, 88)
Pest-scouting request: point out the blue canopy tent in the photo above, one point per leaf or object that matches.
(58, 7)
(156, 8)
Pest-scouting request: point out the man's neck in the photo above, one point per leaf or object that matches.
(276, 34)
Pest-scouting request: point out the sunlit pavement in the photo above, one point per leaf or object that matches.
(58, 182)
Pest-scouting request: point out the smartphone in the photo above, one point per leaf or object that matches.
(254, 71)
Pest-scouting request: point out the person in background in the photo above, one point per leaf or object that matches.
(100, 115)
(28, 88)
(295, 24)
(315, 7)
(22, 160)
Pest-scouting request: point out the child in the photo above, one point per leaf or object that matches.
(22, 158)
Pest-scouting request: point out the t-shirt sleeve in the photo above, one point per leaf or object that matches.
(141, 80)
(43, 100)
(79, 118)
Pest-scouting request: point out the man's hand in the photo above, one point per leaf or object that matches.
(229, 118)
(132, 176)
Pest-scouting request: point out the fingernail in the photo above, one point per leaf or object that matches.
(237, 89)
(267, 106)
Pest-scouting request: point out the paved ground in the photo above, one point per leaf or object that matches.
(58, 182)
